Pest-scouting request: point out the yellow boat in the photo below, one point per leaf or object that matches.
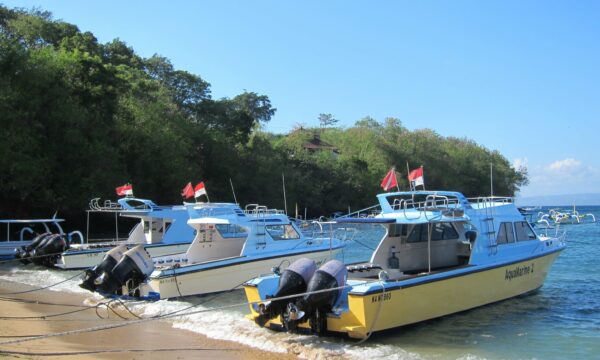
(441, 254)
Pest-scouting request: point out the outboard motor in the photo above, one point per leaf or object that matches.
(293, 280)
(49, 250)
(315, 305)
(133, 268)
(24, 253)
(110, 260)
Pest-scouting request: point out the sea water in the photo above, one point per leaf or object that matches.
(561, 320)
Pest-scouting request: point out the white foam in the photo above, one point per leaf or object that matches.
(45, 277)
(230, 324)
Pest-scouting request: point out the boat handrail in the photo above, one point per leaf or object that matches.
(261, 210)
(358, 213)
(22, 232)
(107, 206)
(487, 201)
(407, 202)
(77, 233)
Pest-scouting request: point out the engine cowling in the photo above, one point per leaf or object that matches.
(293, 280)
(24, 253)
(111, 259)
(133, 268)
(49, 250)
(318, 301)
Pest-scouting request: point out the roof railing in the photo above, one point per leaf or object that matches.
(261, 210)
(107, 206)
(487, 201)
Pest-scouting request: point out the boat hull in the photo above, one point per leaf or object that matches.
(225, 278)
(8, 248)
(87, 258)
(428, 299)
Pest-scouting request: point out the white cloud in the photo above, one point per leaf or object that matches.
(566, 176)
(566, 165)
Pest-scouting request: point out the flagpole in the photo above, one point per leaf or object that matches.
(284, 197)
(410, 186)
(233, 191)
(423, 175)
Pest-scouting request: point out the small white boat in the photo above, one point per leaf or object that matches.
(231, 246)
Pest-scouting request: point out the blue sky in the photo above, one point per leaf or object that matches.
(520, 77)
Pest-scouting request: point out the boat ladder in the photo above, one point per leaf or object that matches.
(488, 220)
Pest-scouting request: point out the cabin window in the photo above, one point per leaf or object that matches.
(231, 230)
(282, 232)
(524, 231)
(397, 230)
(439, 231)
(506, 233)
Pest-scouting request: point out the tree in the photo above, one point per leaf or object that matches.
(326, 120)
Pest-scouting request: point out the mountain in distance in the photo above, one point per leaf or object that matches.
(559, 200)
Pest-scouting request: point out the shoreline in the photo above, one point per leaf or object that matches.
(149, 340)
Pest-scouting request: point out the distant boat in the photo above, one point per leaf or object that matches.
(564, 217)
(231, 246)
(441, 254)
(25, 231)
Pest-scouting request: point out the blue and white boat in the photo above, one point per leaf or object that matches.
(441, 254)
(162, 230)
(231, 246)
(22, 232)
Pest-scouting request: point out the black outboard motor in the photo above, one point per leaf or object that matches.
(110, 260)
(315, 305)
(133, 268)
(292, 281)
(49, 250)
(24, 253)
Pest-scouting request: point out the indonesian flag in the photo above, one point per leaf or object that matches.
(389, 181)
(125, 190)
(415, 177)
(200, 190)
(188, 191)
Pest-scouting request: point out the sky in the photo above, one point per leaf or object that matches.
(520, 77)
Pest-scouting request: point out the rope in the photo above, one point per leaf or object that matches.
(375, 318)
(104, 351)
(159, 317)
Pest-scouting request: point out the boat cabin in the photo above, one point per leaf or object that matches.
(429, 231)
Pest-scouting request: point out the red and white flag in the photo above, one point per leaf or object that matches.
(200, 190)
(125, 190)
(389, 181)
(188, 191)
(415, 178)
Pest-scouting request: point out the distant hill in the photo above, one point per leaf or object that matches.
(559, 200)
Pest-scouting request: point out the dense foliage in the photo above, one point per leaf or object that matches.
(79, 118)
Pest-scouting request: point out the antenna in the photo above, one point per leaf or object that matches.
(233, 191)
(491, 179)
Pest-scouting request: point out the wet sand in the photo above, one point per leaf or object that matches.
(148, 340)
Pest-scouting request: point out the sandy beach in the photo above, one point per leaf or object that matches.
(148, 340)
